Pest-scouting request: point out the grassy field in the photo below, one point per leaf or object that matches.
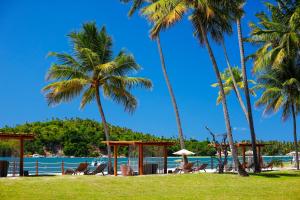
(271, 185)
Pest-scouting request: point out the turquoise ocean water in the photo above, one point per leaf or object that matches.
(51, 165)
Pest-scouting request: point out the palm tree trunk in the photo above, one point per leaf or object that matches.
(247, 96)
(295, 136)
(174, 103)
(233, 148)
(106, 131)
(236, 89)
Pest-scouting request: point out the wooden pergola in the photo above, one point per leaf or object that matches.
(244, 146)
(21, 137)
(140, 146)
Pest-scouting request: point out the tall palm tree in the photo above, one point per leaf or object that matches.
(91, 69)
(281, 90)
(233, 77)
(247, 96)
(208, 17)
(228, 82)
(279, 38)
(137, 4)
(276, 34)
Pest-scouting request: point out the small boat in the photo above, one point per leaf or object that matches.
(37, 156)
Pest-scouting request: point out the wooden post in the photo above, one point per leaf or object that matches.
(259, 157)
(165, 160)
(14, 169)
(21, 156)
(141, 170)
(62, 168)
(116, 160)
(36, 168)
(244, 155)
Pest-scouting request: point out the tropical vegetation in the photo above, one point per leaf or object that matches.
(276, 62)
(137, 4)
(84, 137)
(91, 69)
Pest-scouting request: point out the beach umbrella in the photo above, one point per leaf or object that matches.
(249, 153)
(292, 153)
(183, 152)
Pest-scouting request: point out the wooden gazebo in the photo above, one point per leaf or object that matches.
(140, 146)
(243, 146)
(21, 137)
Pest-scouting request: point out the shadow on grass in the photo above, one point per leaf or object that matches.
(273, 174)
(44, 175)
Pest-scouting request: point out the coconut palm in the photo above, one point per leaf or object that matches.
(277, 35)
(228, 82)
(208, 18)
(234, 81)
(281, 91)
(279, 39)
(91, 69)
(137, 4)
(238, 13)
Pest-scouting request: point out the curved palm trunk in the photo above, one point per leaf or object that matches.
(295, 136)
(236, 89)
(106, 131)
(163, 66)
(247, 96)
(233, 148)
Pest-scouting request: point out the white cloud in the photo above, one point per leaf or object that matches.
(243, 129)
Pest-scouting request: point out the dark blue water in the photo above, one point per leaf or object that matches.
(52, 165)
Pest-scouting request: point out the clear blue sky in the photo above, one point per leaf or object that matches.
(32, 28)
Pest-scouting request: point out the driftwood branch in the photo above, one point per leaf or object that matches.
(221, 146)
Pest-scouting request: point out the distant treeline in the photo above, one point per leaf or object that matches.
(83, 137)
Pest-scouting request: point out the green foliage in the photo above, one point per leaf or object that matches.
(277, 34)
(83, 137)
(90, 68)
(228, 82)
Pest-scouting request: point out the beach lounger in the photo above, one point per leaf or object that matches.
(188, 167)
(228, 169)
(82, 167)
(269, 165)
(201, 167)
(185, 168)
(99, 169)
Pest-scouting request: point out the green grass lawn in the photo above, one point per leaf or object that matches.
(271, 185)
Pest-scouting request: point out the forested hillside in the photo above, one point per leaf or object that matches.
(83, 137)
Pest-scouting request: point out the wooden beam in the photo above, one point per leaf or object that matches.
(244, 155)
(16, 136)
(259, 156)
(125, 143)
(21, 156)
(141, 160)
(116, 160)
(165, 160)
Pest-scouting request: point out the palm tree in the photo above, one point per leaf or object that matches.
(91, 69)
(277, 36)
(208, 17)
(228, 82)
(137, 4)
(238, 13)
(281, 90)
(234, 81)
